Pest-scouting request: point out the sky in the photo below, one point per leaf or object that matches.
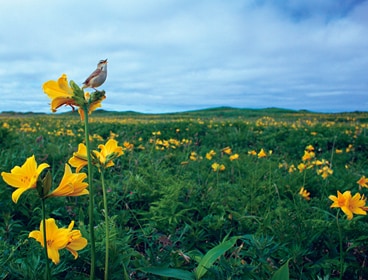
(181, 55)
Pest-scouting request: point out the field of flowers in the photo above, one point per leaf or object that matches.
(212, 194)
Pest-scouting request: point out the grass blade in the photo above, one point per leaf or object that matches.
(169, 272)
(282, 273)
(212, 255)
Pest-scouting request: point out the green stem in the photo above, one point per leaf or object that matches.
(91, 194)
(107, 238)
(341, 249)
(48, 275)
(305, 174)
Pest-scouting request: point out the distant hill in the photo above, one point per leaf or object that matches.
(12, 113)
(220, 112)
(217, 112)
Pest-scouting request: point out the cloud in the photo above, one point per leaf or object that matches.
(167, 56)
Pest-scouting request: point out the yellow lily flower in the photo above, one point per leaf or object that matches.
(59, 92)
(234, 157)
(108, 153)
(59, 238)
(308, 155)
(252, 153)
(71, 184)
(79, 158)
(304, 193)
(227, 150)
(210, 154)
(362, 182)
(348, 204)
(262, 154)
(193, 156)
(325, 172)
(24, 178)
(218, 167)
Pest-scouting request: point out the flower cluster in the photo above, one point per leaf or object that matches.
(260, 154)
(103, 158)
(210, 156)
(166, 144)
(25, 177)
(349, 204)
(59, 238)
(309, 161)
(216, 167)
(61, 93)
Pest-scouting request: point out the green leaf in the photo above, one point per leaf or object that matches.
(211, 256)
(169, 272)
(282, 273)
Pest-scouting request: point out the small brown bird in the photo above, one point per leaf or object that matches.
(98, 77)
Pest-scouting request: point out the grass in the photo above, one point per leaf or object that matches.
(168, 207)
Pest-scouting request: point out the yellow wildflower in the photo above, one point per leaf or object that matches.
(325, 172)
(193, 156)
(309, 148)
(304, 193)
(262, 154)
(113, 135)
(59, 238)
(71, 184)
(234, 157)
(363, 182)
(348, 204)
(308, 155)
(227, 151)
(292, 168)
(79, 158)
(349, 148)
(128, 146)
(302, 167)
(210, 154)
(252, 153)
(218, 167)
(60, 93)
(24, 178)
(108, 153)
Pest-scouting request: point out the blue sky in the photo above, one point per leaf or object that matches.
(169, 56)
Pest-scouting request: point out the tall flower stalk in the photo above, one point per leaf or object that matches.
(91, 193)
(107, 233)
(104, 159)
(62, 93)
(340, 246)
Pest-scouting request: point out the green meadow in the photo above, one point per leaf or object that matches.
(209, 194)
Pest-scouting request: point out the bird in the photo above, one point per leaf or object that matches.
(98, 77)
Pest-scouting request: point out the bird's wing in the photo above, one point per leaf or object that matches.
(94, 74)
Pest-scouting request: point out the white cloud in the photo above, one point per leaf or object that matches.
(166, 55)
